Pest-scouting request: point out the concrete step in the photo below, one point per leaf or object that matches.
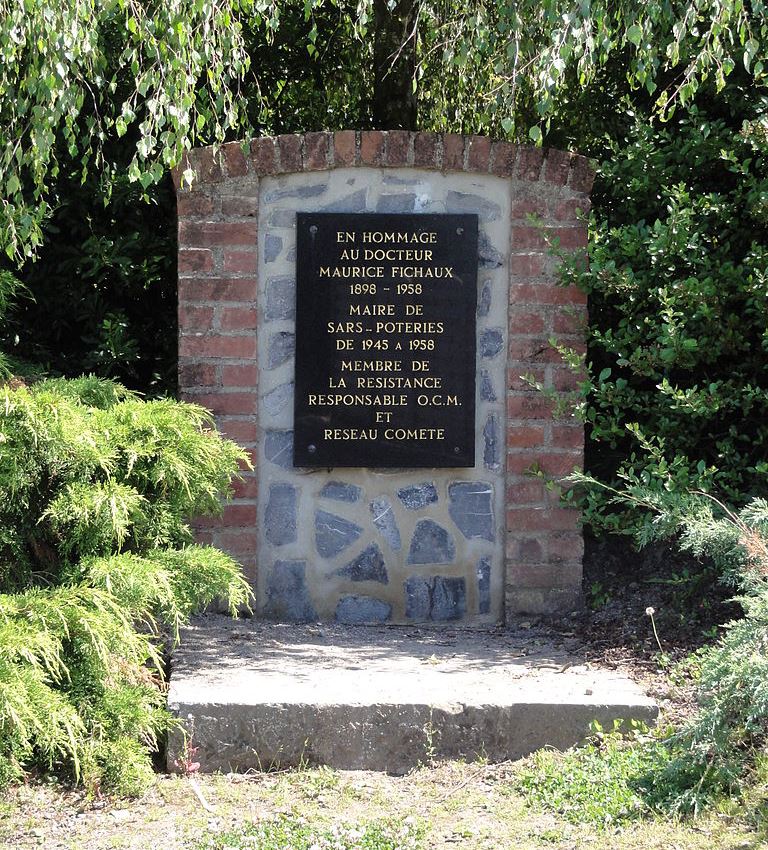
(261, 695)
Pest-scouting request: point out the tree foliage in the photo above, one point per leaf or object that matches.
(75, 75)
(78, 73)
(512, 63)
(100, 296)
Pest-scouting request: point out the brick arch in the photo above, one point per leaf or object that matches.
(218, 321)
(291, 153)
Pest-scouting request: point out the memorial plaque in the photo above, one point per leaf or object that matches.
(385, 340)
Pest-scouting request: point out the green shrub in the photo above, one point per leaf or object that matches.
(718, 752)
(678, 297)
(722, 748)
(96, 557)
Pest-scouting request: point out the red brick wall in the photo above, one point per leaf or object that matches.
(218, 321)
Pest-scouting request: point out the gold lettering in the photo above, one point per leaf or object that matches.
(355, 400)
(411, 272)
(413, 255)
(410, 327)
(399, 434)
(347, 272)
(400, 382)
(371, 309)
(350, 434)
(345, 327)
(371, 365)
(438, 401)
(378, 237)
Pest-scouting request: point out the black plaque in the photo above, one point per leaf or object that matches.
(385, 340)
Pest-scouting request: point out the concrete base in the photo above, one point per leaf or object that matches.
(259, 695)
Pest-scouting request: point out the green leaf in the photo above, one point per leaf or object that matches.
(635, 34)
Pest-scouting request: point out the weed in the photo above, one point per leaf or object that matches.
(430, 740)
(650, 612)
(186, 763)
(597, 596)
(600, 783)
(316, 781)
(291, 833)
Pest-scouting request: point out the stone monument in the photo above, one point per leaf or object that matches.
(364, 311)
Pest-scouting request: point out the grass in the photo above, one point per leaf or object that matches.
(451, 805)
(604, 783)
(288, 833)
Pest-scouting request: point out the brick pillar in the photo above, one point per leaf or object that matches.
(544, 541)
(218, 325)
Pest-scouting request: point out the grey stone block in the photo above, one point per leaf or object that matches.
(385, 522)
(273, 245)
(287, 596)
(484, 586)
(280, 514)
(404, 203)
(463, 202)
(334, 533)
(417, 496)
(359, 610)
(281, 299)
(491, 449)
(282, 346)
(490, 342)
(340, 491)
(361, 699)
(449, 599)
(278, 448)
(484, 301)
(470, 507)
(431, 544)
(487, 392)
(278, 398)
(300, 192)
(487, 256)
(283, 218)
(418, 597)
(354, 202)
(437, 598)
(368, 566)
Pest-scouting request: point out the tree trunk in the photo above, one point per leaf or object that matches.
(394, 103)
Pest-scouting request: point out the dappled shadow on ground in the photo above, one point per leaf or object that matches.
(262, 645)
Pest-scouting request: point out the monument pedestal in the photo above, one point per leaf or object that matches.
(256, 695)
(371, 315)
